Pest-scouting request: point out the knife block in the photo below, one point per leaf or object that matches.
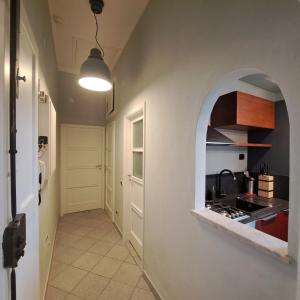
(266, 186)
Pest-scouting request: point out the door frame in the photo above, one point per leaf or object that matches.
(113, 208)
(4, 138)
(62, 150)
(4, 132)
(139, 111)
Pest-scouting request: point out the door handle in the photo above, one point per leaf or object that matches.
(268, 218)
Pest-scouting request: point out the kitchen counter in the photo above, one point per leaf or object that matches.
(274, 206)
(258, 239)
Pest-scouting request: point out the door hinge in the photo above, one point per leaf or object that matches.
(14, 241)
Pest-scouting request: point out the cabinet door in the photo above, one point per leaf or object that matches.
(255, 112)
(269, 226)
(283, 220)
(276, 226)
(241, 111)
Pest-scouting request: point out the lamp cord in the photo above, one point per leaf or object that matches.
(96, 35)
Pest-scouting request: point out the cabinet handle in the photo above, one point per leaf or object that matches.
(268, 218)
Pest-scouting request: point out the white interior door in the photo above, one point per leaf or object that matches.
(109, 169)
(27, 170)
(82, 167)
(135, 183)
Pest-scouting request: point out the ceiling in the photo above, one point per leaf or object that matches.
(73, 26)
(263, 82)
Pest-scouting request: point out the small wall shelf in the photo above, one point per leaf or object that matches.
(252, 145)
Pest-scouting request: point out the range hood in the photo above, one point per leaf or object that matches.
(214, 137)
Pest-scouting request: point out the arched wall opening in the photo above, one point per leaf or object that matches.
(225, 86)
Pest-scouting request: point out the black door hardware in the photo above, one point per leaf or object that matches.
(14, 236)
(14, 241)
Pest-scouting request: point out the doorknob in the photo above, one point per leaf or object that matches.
(99, 167)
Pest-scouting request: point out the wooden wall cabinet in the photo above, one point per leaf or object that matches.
(241, 111)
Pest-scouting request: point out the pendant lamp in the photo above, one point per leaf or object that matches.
(94, 73)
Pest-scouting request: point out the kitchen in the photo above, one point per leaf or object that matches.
(247, 150)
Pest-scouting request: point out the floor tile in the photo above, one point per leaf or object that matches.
(69, 218)
(82, 230)
(140, 294)
(60, 234)
(67, 227)
(95, 222)
(142, 284)
(128, 274)
(87, 261)
(72, 297)
(116, 291)
(101, 248)
(56, 269)
(67, 240)
(54, 294)
(90, 287)
(112, 236)
(130, 260)
(98, 233)
(68, 279)
(84, 243)
(92, 262)
(118, 252)
(98, 211)
(121, 242)
(67, 255)
(107, 267)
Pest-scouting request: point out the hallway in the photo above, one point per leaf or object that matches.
(91, 262)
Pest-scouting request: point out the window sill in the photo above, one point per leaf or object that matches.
(257, 239)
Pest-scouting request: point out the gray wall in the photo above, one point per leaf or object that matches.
(77, 105)
(277, 157)
(177, 55)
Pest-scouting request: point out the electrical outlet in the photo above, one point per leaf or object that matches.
(241, 156)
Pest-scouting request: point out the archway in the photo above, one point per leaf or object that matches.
(227, 85)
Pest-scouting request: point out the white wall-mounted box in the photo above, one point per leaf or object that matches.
(47, 127)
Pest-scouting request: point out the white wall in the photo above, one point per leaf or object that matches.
(178, 53)
(48, 215)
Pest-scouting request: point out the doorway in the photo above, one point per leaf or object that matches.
(134, 161)
(82, 171)
(110, 170)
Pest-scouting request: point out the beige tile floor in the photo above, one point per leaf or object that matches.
(91, 262)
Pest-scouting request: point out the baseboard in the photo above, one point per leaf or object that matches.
(118, 228)
(152, 286)
(108, 211)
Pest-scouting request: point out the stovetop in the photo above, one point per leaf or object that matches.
(226, 210)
